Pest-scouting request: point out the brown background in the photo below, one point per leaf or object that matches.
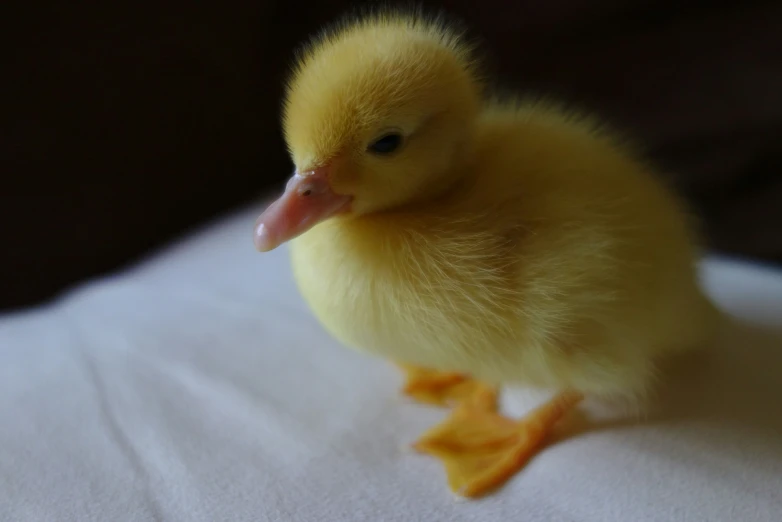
(129, 123)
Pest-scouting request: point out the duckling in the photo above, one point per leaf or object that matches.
(477, 242)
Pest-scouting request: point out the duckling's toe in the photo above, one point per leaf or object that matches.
(446, 388)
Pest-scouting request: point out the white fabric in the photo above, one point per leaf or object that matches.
(197, 387)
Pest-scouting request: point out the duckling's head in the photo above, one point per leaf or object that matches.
(379, 113)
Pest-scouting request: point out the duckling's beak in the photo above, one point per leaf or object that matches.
(308, 200)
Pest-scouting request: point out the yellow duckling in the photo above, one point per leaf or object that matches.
(476, 243)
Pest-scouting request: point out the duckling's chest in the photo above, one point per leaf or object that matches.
(365, 305)
(383, 298)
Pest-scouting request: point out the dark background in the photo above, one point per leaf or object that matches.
(129, 123)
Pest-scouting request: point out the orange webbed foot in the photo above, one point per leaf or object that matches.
(481, 449)
(446, 388)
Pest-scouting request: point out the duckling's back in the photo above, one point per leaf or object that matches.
(608, 253)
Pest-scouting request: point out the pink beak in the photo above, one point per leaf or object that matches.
(307, 201)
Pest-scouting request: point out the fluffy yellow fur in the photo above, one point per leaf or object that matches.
(507, 240)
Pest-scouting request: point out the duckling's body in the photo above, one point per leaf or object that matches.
(581, 286)
(477, 243)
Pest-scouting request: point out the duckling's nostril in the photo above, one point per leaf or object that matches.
(307, 192)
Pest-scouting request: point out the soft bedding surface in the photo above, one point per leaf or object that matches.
(197, 387)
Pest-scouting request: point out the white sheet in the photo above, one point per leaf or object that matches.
(198, 387)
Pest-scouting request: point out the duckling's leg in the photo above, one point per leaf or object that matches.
(447, 388)
(482, 450)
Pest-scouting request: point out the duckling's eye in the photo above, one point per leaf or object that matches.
(386, 144)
